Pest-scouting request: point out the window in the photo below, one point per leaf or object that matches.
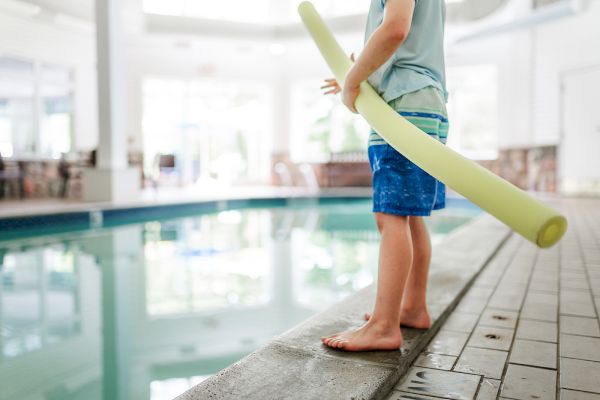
(35, 108)
(473, 110)
(233, 10)
(218, 131)
(322, 126)
(56, 96)
(17, 116)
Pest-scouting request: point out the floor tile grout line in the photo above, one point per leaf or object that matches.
(452, 372)
(502, 246)
(534, 366)
(558, 321)
(452, 306)
(507, 363)
(587, 274)
(579, 334)
(505, 268)
(581, 359)
(418, 394)
(581, 391)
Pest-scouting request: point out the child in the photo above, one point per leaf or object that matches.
(403, 59)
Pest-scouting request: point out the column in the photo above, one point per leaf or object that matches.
(117, 253)
(281, 128)
(112, 179)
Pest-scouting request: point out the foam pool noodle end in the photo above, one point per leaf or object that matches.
(526, 215)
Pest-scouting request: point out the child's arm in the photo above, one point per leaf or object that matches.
(380, 47)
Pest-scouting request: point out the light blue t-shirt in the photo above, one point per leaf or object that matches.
(419, 61)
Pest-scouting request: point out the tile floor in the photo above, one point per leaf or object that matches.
(527, 329)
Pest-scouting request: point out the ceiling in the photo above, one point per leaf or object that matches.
(463, 11)
(78, 8)
(472, 10)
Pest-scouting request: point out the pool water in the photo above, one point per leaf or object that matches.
(147, 310)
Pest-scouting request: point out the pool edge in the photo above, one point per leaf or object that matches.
(296, 365)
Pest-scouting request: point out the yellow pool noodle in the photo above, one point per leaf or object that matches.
(526, 215)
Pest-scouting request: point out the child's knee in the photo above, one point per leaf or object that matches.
(384, 220)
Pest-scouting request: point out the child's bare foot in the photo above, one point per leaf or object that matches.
(418, 319)
(370, 336)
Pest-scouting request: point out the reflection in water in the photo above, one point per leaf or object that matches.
(39, 298)
(207, 264)
(145, 311)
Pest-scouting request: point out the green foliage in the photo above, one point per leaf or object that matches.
(352, 139)
(320, 133)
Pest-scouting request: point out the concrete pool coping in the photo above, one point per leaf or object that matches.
(296, 364)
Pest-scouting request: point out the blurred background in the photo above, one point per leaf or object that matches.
(226, 94)
(126, 101)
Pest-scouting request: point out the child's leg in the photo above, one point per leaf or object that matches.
(382, 331)
(413, 312)
(414, 303)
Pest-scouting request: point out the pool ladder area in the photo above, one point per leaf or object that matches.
(285, 175)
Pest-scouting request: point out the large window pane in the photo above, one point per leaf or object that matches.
(56, 110)
(219, 131)
(473, 108)
(322, 126)
(17, 114)
(35, 109)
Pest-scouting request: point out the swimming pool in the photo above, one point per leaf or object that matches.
(145, 309)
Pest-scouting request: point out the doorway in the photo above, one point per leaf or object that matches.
(579, 168)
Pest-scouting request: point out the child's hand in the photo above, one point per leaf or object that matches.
(331, 86)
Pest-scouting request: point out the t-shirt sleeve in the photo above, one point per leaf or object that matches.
(384, 1)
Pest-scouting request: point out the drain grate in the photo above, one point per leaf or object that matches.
(492, 336)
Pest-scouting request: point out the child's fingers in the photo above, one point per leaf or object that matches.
(331, 85)
(334, 90)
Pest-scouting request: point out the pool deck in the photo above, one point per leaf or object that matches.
(297, 365)
(511, 321)
(527, 329)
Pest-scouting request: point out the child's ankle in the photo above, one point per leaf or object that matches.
(384, 325)
(414, 309)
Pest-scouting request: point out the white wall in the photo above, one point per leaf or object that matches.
(532, 64)
(509, 54)
(567, 44)
(41, 39)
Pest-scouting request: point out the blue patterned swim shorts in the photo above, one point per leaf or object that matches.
(399, 186)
